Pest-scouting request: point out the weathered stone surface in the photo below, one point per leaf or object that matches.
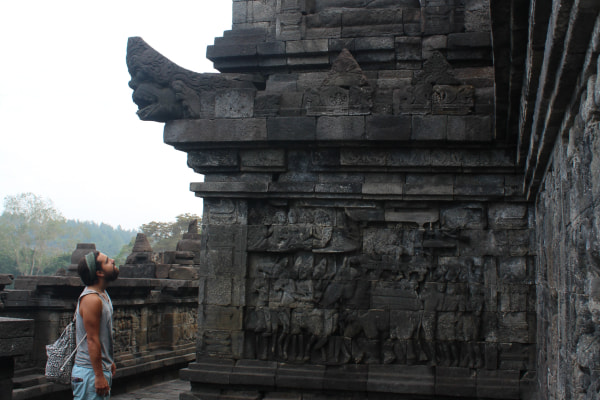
(188, 132)
(388, 127)
(291, 128)
(381, 241)
(340, 128)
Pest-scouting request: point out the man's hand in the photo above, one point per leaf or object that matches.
(101, 384)
(113, 369)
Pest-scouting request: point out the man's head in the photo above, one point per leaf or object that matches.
(97, 267)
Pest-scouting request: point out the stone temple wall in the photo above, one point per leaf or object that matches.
(568, 266)
(364, 231)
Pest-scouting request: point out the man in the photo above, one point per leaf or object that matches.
(94, 364)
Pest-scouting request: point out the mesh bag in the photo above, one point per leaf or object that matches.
(60, 356)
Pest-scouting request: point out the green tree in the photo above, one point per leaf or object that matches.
(31, 228)
(163, 236)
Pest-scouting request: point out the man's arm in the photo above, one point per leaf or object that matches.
(90, 309)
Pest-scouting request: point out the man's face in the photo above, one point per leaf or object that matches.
(107, 265)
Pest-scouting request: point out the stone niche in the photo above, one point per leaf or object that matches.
(364, 233)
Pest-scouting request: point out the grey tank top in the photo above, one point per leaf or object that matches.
(82, 358)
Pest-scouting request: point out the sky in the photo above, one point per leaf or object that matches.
(69, 130)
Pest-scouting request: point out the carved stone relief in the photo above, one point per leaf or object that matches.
(401, 294)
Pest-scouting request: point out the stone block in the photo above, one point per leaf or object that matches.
(479, 185)
(291, 128)
(469, 40)
(264, 159)
(452, 99)
(412, 99)
(270, 48)
(381, 56)
(300, 376)
(432, 44)
(463, 217)
(470, 128)
(215, 130)
(314, 61)
(203, 160)
(508, 216)
(395, 296)
(455, 382)
(446, 158)
(420, 216)
(184, 273)
(410, 379)
(221, 261)
(351, 377)
(432, 185)
(279, 83)
(408, 48)
(221, 318)
(254, 372)
(357, 23)
(389, 189)
(477, 16)
(512, 269)
(338, 188)
(305, 47)
(429, 127)
(234, 103)
(393, 79)
(231, 51)
(11, 328)
(337, 45)
(288, 26)
(291, 104)
(324, 19)
(498, 384)
(218, 291)
(411, 20)
(513, 327)
(320, 33)
(409, 158)
(437, 20)
(162, 271)
(261, 10)
(340, 128)
(208, 370)
(137, 271)
(374, 43)
(266, 105)
(388, 127)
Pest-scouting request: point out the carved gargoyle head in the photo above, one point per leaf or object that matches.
(151, 76)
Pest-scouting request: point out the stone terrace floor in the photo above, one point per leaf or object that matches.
(168, 390)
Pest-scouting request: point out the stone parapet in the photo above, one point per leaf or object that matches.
(271, 380)
(155, 327)
(16, 338)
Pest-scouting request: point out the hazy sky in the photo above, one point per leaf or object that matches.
(68, 126)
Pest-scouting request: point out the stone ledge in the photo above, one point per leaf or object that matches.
(382, 379)
(16, 336)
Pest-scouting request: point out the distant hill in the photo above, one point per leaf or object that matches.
(108, 239)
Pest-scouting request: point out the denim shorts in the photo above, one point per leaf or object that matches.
(83, 383)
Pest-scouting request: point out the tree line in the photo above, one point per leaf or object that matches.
(36, 239)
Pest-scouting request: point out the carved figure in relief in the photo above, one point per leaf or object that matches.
(318, 325)
(164, 91)
(345, 91)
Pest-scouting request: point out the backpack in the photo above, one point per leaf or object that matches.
(61, 355)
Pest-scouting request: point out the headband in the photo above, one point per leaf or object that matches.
(90, 260)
